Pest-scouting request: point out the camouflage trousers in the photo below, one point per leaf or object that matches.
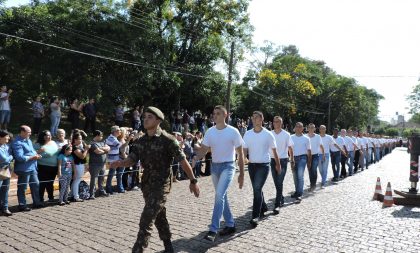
(154, 212)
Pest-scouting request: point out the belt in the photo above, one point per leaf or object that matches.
(300, 155)
(260, 163)
(222, 162)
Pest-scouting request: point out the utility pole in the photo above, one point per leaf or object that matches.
(329, 116)
(232, 50)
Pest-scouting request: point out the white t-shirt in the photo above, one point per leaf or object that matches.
(5, 105)
(339, 141)
(259, 145)
(349, 143)
(316, 142)
(283, 142)
(328, 142)
(301, 144)
(355, 141)
(222, 143)
(363, 142)
(370, 142)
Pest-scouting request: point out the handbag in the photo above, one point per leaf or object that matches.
(5, 173)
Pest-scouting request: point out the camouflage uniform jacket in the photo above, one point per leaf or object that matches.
(156, 154)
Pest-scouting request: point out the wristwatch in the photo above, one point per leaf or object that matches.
(194, 181)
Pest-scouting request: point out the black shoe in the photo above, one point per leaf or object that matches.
(227, 231)
(62, 203)
(168, 246)
(103, 194)
(38, 206)
(67, 202)
(137, 248)
(211, 236)
(293, 195)
(6, 212)
(298, 200)
(24, 209)
(276, 210)
(254, 222)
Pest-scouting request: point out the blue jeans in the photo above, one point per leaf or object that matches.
(313, 172)
(278, 180)
(111, 173)
(25, 178)
(350, 162)
(367, 157)
(4, 116)
(55, 122)
(258, 173)
(4, 193)
(335, 162)
(377, 154)
(298, 171)
(222, 176)
(323, 168)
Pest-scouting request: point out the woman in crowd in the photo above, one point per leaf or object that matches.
(113, 155)
(5, 159)
(47, 165)
(80, 150)
(38, 111)
(55, 115)
(196, 144)
(74, 113)
(61, 138)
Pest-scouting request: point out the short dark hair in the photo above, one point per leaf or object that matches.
(3, 133)
(259, 113)
(97, 133)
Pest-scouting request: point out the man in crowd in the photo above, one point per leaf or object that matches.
(302, 158)
(284, 150)
(258, 143)
(156, 150)
(336, 152)
(223, 141)
(90, 111)
(26, 168)
(318, 153)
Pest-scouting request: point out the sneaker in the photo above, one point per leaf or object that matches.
(227, 231)
(298, 200)
(211, 236)
(67, 202)
(62, 203)
(135, 188)
(276, 210)
(78, 200)
(103, 194)
(254, 222)
(92, 197)
(121, 191)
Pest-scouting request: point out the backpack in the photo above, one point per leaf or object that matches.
(84, 190)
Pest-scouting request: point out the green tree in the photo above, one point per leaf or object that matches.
(414, 99)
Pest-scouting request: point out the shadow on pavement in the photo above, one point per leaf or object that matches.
(407, 212)
(198, 244)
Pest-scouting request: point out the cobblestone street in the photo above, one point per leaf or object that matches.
(339, 218)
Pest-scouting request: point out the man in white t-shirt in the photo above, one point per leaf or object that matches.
(336, 154)
(349, 147)
(317, 151)
(284, 149)
(258, 143)
(328, 142)
(302, 158)
(4, 107)
(223, 141)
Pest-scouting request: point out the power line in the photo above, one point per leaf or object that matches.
(99, 56)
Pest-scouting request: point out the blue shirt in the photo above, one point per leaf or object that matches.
(5, 155)
(22, 152)
(66, 164)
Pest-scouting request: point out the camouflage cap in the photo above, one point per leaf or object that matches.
(158, 113)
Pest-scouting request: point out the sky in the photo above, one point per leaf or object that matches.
(374, 41)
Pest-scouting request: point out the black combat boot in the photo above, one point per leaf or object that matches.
(168, 246)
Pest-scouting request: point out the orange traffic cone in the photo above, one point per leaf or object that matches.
(378, 189)
(388, 199)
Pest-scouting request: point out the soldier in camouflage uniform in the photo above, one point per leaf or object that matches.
(156, 150)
